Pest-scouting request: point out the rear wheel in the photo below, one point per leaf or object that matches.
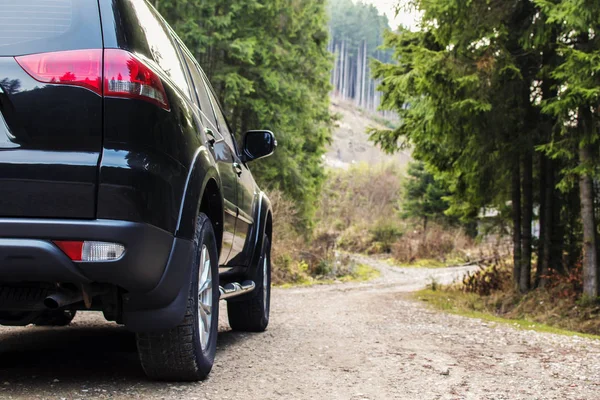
(187, 352)
(252, 313)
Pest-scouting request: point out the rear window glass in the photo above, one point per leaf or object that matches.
(35, 26)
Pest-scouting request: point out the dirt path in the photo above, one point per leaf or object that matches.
(346, 341)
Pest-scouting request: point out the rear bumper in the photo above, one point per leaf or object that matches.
(27, 253)
(154, 271)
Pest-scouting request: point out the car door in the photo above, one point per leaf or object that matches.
(224, 157)
(245, 190)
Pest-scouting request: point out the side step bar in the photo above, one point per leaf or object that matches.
(236, 289)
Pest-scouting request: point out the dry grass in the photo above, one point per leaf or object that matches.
(491, 292)
(358, 212)
(298, 259)
(436, 243)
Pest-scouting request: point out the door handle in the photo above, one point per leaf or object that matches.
(237, 168)
(211, 136)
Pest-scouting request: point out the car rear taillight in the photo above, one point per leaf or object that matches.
(127, 76)
(91, 251)
(75, 68)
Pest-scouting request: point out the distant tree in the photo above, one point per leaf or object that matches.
(424, 196)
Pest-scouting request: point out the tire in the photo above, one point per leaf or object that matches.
(187, 352)
(252, 314)
(55, 318)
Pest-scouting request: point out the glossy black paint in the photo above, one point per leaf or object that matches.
(50, 136)
(49, 156)
(129, 168)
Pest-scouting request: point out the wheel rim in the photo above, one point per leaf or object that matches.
(266, 284)
(205, 298)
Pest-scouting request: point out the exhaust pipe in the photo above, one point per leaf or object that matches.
(236, 289)
(62, 299)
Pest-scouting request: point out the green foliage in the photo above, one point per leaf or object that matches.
(577, 77)
(444, 95)
(424, 196)
(384, 235)
(269, 64)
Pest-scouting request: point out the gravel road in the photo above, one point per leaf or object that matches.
(342, 341)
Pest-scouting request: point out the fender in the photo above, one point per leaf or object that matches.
(203, 169)
(165, 305)
(263, 211)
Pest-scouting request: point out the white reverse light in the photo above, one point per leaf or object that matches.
(101, 251)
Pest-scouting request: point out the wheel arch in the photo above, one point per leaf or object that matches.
(265, 221)
(202, 194)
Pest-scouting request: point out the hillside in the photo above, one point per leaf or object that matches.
(350, 143)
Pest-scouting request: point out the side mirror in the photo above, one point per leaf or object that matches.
(258, 144)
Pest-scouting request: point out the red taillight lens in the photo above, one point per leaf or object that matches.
(72, 249)
(76, 68)
(127, 76)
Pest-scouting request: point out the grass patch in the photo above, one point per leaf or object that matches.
(360, 273)
(475, 306)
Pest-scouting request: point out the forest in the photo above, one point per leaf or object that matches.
(500, 100)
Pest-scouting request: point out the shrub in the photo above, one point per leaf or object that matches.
(383, 236)
(487, 280)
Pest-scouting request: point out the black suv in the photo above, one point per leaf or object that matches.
(122, 188)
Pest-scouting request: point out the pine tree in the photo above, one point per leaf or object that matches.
(269, 64)
(424, 196)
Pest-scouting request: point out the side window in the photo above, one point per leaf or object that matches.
(161, 45)
(203, 99)
(223, 127)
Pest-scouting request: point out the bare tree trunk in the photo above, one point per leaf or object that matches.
(516, 217)
(365, 77)
(342, 68)
(590, 252)
(335, 68)
(347, 78)
(525, 280)
(358, 78)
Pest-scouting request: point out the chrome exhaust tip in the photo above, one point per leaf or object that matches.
(235, 289)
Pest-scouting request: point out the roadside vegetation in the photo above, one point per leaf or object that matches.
(362, 210)
(489, 294)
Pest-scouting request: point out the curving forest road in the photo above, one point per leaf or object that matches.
(343, 341)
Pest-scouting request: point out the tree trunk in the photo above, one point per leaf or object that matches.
(342, 68)
(542, 267)
(548, 224)
(365, 77)
(516, 217)
(525, 280)
(590, 252)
